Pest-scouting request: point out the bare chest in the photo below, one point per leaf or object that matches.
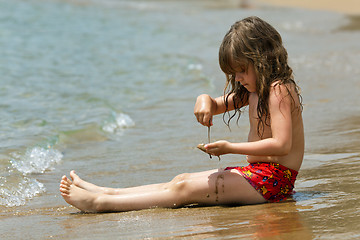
(254, 120)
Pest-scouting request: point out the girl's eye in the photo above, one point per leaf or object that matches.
(240, 69)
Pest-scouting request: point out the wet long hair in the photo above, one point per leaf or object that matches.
(254, 41)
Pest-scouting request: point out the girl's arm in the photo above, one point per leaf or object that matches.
(278, 144)
(206, 107)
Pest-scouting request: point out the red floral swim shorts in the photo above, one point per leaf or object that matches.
(274, 181)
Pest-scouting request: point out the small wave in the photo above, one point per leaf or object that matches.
(17, 195)
(197, 67)
(117, 123)
(294, 26)
(36, 160)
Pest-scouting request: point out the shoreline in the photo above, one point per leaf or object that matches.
(348, 7)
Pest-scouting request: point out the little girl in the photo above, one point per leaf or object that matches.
(258, 76)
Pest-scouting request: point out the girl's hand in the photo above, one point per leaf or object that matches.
(203, 110)
(218, 148)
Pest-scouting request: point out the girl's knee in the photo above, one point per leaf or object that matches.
(179, 183)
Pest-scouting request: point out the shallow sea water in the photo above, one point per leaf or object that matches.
(108, 88)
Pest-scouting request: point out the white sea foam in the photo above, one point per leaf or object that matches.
(36, 160)
(17, 195)
(118, 123)
(294, 26)
(197, 67)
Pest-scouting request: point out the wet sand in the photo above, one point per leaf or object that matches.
(255, 222)
(351, 7)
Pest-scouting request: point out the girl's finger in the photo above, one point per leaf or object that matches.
(207, 120)
(199, 117)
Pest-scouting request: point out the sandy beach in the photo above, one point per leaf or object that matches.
(351, 7)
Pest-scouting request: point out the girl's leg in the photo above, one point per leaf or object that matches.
(205, 188)
(105, 190)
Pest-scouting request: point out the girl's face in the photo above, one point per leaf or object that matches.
(247, 79)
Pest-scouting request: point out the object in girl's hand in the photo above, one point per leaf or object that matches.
(201, 146)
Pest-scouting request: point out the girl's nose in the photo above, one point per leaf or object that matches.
(238, 77)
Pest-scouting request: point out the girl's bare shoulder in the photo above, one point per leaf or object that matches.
(285, 93)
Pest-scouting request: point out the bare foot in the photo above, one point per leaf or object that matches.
(78, 197)
(85, 185)
(91, 187)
